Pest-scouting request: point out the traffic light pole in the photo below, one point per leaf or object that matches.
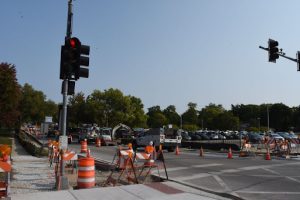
(62, 181)
(65, 81)
(280, 54)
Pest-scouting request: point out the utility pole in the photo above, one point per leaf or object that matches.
(268, 118)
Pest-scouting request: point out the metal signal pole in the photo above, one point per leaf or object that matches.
(65, 81)
(62, 181)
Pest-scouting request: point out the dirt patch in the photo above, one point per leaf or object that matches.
(101, 178)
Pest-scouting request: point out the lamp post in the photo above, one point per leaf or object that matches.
(258, 124)
(268, 118)
(181, 121)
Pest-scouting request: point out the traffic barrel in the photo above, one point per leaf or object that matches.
(83, 146)
(98, 142)
(86, 172)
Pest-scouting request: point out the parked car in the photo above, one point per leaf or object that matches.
(185, 136)
(276, 136)
(254, 137)
(285, 135)
(202, 135)
(194, 136)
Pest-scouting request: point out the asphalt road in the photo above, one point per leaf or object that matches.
(246, 178)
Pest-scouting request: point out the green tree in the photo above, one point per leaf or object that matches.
(136, 115)
(248, 114)
(172, 116)
(190, 117)
(281, 117)
(156, 118)
(79, 111)
(226, 121)
(296, 118)
(10, 96)
(112, 107)
(208, 115)
(51, 109)
(33, 105)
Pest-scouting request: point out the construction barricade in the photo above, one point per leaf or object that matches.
(5, 167)
(123, 166)
(70, 158)
(245, 149)
(135, 167)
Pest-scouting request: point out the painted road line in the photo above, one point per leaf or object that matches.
(194, 176)
(266, 192)
(207, 165)
(224, 185)
(172, 169)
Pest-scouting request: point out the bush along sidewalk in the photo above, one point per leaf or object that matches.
(30, 146)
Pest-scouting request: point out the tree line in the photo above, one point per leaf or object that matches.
(23, 104)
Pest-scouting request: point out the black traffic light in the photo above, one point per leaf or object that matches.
(273, 50)
(69, 58)
(298, 60)
(83, 61)
(70, 89)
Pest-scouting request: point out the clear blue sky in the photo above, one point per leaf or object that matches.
(166, 52)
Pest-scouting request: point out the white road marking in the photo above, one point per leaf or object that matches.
(172, 169)
(207, 165)
(224, 185)
(266, 192)
(194, 176)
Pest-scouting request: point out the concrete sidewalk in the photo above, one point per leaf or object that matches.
(153, 191)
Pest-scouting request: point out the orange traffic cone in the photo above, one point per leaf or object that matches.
(201, 152)
(268, 156)
(98, 142)
(229, 156)
(177, 150)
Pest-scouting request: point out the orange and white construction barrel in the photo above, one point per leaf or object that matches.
(86, 172)
(84, 146)
(98, 142)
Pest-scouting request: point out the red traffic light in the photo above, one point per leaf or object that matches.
(73, 42)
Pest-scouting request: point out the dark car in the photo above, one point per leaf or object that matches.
(254, 137)
(194, 136)
(185, 136)
(203, 135)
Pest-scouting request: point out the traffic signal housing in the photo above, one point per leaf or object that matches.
(82, 62)
(298, 60)
(273, 50)
(73, 55)
(69, 59)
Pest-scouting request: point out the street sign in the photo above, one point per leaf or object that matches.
(48, 119)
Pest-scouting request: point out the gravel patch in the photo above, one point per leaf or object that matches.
(29, 173)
